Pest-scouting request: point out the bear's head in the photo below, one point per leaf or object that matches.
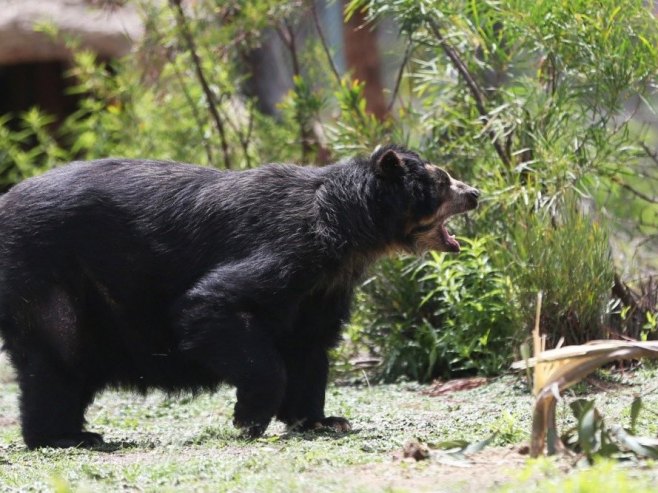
(427, 195)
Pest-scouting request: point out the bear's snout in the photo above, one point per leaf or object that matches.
(472, 196)
(465, 197)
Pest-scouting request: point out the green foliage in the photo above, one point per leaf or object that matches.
(355, 131)
(594, 439)
(566, 255)
(28, 151)
(152, 103)
(547, 113)
(439, 315)
(546, 130)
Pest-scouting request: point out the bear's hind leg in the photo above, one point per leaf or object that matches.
(52, 406)
(247, 359)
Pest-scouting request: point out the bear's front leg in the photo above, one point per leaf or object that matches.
(303, 404)
(317, 329)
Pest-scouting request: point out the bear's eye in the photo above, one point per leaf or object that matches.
(440, 177)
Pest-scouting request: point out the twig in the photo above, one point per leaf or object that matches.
(635, 192)
(476, 92)
(398, 79)
(651, 154)
(210, 97)
(647, 239)
(193, 108)
(323, 41)
(621, 290)
(195, 113)
(288, 38)
(186, 94)
(243, 138)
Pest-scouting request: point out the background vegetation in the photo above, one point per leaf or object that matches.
(544, 105)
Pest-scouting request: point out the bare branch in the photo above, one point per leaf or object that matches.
(398, 79)
(476, 92)
(651, 154)
(186, 94)
(635, 192)
(195, 112)
(181, 19)
(287, 35)
(323, 41)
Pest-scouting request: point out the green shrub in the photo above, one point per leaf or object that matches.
(440, 315)
(566, 255)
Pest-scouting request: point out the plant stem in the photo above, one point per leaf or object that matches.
(476, 92)
(288, 38)
(181, 19)
(398, 79)
(323, 41)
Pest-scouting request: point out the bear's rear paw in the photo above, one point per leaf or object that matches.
(334, 423)
(83, 439)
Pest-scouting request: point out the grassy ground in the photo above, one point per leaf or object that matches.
(156, 443)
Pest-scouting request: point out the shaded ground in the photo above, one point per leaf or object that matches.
(162, 444)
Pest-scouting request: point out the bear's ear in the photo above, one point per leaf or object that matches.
(389, 164)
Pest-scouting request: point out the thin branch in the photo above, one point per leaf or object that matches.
(195, 113)
(288, 38)
(635, 192)
(398, 79)
(250, 129)
(651, 154)
(210, 97)
(647, 239)
(323, 41)
(476, 92)
(186, 94)
(243, 138)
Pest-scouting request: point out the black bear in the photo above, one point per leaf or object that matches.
(143, 274)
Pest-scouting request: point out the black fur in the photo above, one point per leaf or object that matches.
(144, 274)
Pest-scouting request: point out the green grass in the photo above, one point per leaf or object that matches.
(156, 443)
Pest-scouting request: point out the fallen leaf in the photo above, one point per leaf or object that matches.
(440, 388)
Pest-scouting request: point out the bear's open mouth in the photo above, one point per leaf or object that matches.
(448, 239)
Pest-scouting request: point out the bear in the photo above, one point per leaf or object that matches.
(140, 274)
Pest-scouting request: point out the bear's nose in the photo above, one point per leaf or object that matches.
(474, 192)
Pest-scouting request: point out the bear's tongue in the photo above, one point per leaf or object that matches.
(448, 239)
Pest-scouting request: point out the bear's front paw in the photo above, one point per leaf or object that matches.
(250, 430)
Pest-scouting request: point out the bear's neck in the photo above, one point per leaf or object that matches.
(352, 221)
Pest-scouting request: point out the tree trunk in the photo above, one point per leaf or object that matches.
(363, 60)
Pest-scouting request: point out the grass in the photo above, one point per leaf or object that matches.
(156, 443)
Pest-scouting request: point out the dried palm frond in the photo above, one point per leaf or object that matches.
(558, 369)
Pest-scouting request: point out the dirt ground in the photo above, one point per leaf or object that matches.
(482, 471)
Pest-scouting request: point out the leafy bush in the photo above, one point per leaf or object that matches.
(533, 102)
(566, 255)
(440, 315)
(28, 151)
